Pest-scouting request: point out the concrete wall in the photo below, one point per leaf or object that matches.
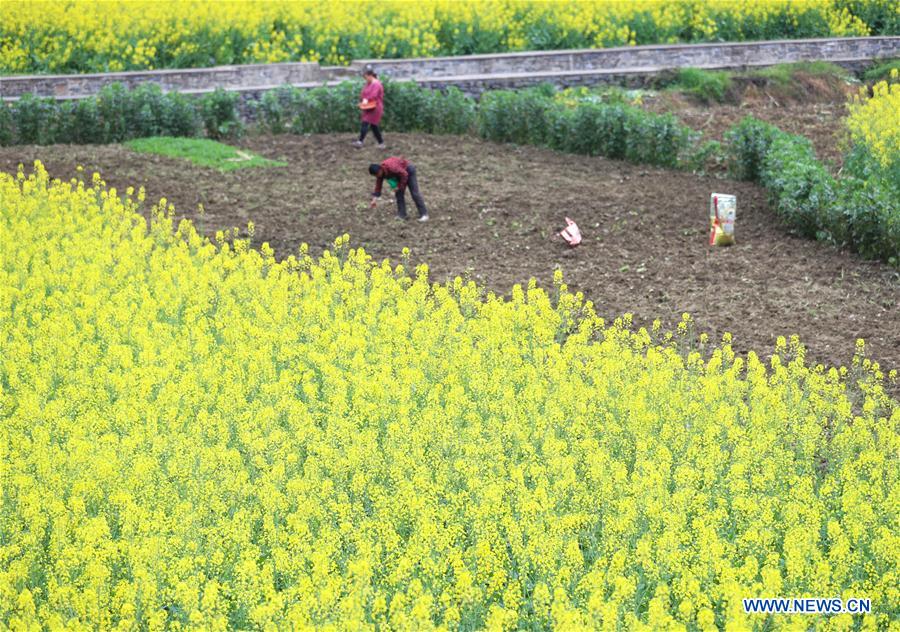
(475, 73)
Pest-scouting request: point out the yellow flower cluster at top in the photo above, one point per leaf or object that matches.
(875, 121)
(197, 436)
(88, 36)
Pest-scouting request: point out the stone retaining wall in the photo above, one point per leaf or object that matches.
(187, 80)
(724, 55)
(473, 74)
(474, 85)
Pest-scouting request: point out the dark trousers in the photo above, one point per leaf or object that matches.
(412, 184)
(364, 129)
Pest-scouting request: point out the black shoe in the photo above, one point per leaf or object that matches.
(402, 217)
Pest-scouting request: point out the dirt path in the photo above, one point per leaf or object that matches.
(495, 209)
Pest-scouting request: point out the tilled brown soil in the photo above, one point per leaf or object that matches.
(495, 210)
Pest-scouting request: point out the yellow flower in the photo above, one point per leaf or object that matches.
(83, 36)
(197, 435)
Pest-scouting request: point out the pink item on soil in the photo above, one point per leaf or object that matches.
(571, 233)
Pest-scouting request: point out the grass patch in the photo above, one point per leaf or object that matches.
(881, 72)
(706, 85)
(202, 151)
(786, 73)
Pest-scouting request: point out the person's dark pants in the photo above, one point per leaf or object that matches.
(413, 185)
(364, 129)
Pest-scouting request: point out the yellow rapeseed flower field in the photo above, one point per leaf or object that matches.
(194, 435)
(89, 36)
(874, 121)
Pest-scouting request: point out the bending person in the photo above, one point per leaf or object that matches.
(400, 174)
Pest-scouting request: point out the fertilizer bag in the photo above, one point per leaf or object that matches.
(722, 210)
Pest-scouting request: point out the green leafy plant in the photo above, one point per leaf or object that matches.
(748, 143)
(112, 104)
(802, 190)
(615, 130)
(706, 85)
(785, 74)
(858, 211)
(6, 124)
(881, 71)
(219, 111)
(33, 118)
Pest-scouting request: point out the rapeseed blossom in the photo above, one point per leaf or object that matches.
(87, 36)
(874, 121)
(195, 435)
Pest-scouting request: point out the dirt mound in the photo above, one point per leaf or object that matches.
(495, 209)
(801, 88)
(820, 121)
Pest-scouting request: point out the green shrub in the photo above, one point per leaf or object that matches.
(269, 110)
(112, 104)
(704, 157)
(114, 115)
(62, 121)
(6, 124)
(332, 109)
(516, 117)
(881, 71)
(178, 116)
(454, 112)
(411, 108)
(656, 139)
(87, 126)
(595, 129)
(317, 111)
(33, 119)
(707, 85)
(615, 130)
(748, 143)
(219, 111)
(859, 211)
(869, 205)
(407, 107)
(870, 212)
(802, 190)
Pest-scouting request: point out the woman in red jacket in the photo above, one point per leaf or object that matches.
(372, 107)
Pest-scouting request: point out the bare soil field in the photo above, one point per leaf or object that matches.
(495, 210)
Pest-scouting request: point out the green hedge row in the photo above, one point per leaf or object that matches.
(117, 114)
(333, 109)
(614, 130)
(859, 211)
(534, 116)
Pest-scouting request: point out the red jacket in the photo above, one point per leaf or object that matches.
(373, 92)
(393, 167)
